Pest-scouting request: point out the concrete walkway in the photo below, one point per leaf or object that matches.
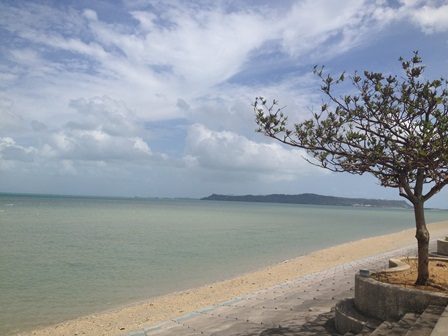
(299, 307)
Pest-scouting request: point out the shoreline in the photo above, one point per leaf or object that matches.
(143, 314)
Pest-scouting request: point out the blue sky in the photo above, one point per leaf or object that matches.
(153, 98)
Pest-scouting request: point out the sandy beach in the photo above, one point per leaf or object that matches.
(126, 319)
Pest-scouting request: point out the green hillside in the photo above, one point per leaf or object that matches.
(310, 199)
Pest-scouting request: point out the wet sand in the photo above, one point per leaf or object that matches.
(144, 314)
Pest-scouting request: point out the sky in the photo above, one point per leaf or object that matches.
(154, 98)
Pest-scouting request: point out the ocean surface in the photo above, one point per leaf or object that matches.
(66, 257)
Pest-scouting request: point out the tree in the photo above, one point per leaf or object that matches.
(393, 128)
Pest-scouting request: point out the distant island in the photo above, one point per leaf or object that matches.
(311, 199)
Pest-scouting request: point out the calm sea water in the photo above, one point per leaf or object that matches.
(63, 257)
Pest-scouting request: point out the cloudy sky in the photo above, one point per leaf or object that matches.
(153, 98)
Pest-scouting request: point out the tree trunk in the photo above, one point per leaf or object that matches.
(422, 236)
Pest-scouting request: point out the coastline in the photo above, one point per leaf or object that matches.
(143, 314)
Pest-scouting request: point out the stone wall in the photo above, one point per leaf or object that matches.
(442, 246)
(390, 302)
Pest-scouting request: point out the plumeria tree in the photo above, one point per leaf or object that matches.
(395, 128)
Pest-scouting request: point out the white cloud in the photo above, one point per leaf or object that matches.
(430, 16)
(110, 116)
(312, 22)
(105, 130)
(12, 154)
(432, 19)
(141, 145)
(96, 145)
(197, 48)
(228, 151)
(90, 14)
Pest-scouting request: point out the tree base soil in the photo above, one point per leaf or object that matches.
(438, 276)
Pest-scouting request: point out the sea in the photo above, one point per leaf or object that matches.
(67, 257)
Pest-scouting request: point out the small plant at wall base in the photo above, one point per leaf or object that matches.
(395, 128)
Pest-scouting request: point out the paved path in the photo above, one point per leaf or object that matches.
(303, 306)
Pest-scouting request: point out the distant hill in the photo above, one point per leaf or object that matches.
(311, 199)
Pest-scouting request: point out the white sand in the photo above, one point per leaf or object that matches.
(144, 314)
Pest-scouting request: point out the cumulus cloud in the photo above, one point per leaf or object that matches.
(110, 116)
(95, 145)
(12, 153)
(228, 151)
(105, 130)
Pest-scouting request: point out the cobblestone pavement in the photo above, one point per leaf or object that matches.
(303, 306)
